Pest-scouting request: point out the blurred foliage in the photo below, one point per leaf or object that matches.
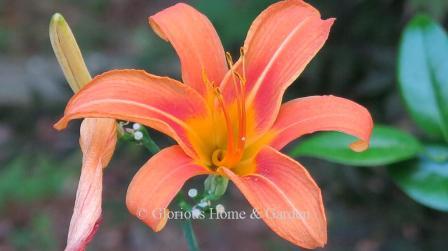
(436, 8)
(25, 180)
(38, 235)
(425, 179)
(27, 183)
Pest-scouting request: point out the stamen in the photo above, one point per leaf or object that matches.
(243, 61)
(210, 87)
(239, 82)
(239, 101)
(209, 84)
(242, 121)
(235, 86)
(230, 139)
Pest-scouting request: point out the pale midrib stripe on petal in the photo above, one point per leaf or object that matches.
(312, 118)
(169, 116)
(271, 62)
(285, 198)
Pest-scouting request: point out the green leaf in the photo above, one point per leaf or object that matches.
(387, 146)
(423, 75)
(426, 179)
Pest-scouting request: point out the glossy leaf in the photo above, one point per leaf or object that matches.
(425, 180)
(387, 146)
(423, 75)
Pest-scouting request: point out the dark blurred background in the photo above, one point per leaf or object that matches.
(39, 167)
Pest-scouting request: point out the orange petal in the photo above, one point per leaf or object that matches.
(286, 198)
(132, 95)
(322, 113)
(157, 182)
(98, 139)
(281, 42)
(195, 41)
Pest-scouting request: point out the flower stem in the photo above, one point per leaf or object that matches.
(148, 142)
(192, 242)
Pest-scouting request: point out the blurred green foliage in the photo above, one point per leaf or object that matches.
(436, 8)
(425, 179)
(38, 235)
(28, 179)
(28, 182)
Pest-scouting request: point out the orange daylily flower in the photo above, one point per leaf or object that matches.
(230, 122)
(98, 137)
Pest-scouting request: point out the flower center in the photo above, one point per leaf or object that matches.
(236, 139)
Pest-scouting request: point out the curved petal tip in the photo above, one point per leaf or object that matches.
(61, 124)
(359, 146)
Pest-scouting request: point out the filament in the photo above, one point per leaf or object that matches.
(230, 139)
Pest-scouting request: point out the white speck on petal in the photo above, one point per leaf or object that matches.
(138, 135)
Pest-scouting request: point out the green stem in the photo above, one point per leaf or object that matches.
(192, 242)
(187, 225)
(148, 142)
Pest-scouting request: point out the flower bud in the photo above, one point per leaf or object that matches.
(68, 53)
(216, 185)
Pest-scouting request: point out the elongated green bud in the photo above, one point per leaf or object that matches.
(215, 186)
(68, 53)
